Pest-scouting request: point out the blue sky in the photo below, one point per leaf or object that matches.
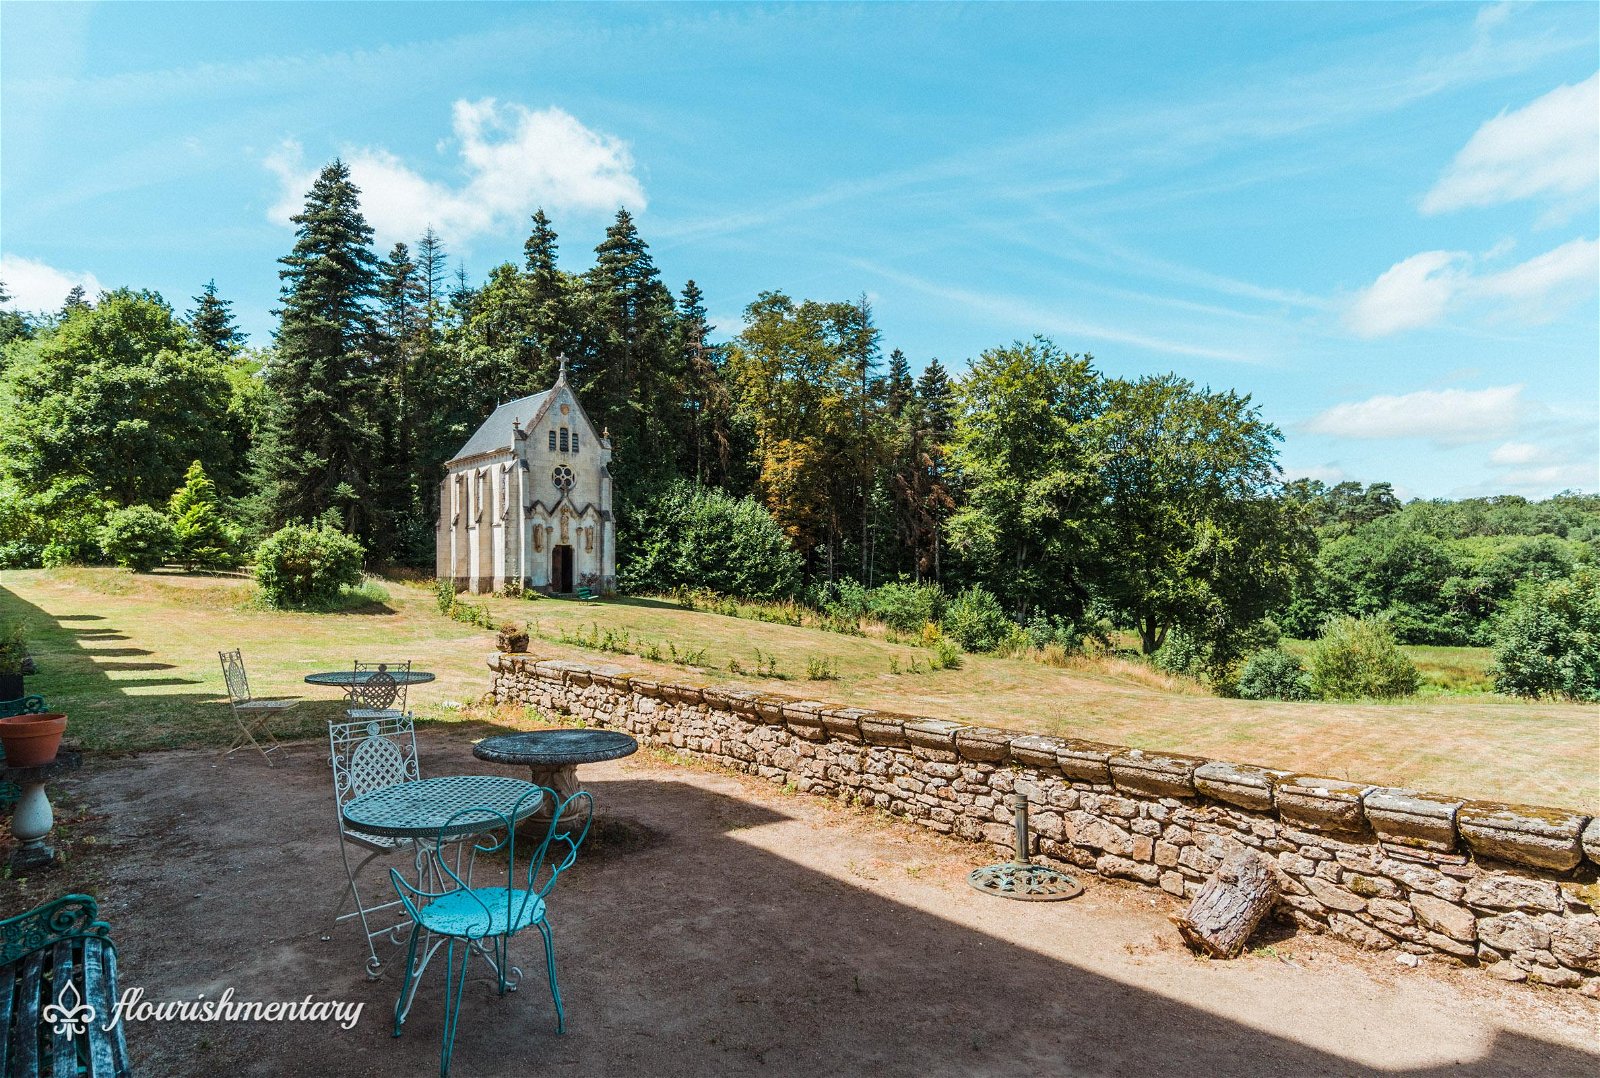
(1380, 220)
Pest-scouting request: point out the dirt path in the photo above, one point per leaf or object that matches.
(722, 926)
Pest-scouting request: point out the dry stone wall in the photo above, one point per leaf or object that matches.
(1511, 888)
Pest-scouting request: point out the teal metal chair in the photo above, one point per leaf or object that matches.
(482, 920)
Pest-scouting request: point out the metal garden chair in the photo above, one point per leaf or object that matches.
(251, 714)
(381, 695)
(368, 754)
(483, 919)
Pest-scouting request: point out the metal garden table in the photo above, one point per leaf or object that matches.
(422, 811)
(552, 756)
(344, 679)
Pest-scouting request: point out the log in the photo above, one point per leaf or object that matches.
(1230, 905)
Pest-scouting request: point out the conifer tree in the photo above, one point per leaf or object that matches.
(212, 322)
(636, 381)
(77, 299)
(706, 392)
(900, 386)
(320, 442)
(554, 305)
(203, 537)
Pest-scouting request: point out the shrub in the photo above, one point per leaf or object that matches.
(203, 538)
(906, 607)
(1548, 640)
(138, 538)
(946, 656)
(976, 620)
(1358, 657)
(444, 594)
(305, 565)
(1274, 674)
(704, 538)
(14, 657)
(1180, 653)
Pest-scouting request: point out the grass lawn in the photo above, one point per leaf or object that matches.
(133, 660)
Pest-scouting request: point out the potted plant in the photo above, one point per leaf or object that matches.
(513, 638)
(15, 662)
(31, 740)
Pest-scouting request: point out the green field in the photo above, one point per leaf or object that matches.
(133, 660)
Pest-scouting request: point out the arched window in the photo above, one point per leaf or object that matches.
(574, 441)
(563, 439)
(552, 439)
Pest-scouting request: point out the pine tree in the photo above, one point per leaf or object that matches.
(710, 408)
(77, 299)
(204, 540)
(900, 386)
(212, 322)
(636, 381)
(320, 441)
(920, 481)
(554, 311)
(14, 325)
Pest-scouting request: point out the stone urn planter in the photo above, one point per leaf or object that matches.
(513, 639)
(32, 740)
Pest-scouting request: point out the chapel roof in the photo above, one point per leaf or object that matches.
(495, 433)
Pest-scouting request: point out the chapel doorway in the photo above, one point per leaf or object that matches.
(561, 569)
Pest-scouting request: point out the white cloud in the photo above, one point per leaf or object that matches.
(513, 159)
(1516, 453)
(1419, 290)
(1545, 283)
(1545, 149)
(1408, 295)
(1445, 416)
(35, 286)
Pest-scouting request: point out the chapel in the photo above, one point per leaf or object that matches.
(527, 500)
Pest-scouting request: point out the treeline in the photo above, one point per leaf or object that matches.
(802, 455)
(1441, 572)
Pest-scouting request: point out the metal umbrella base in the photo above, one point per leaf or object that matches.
(1020, 878)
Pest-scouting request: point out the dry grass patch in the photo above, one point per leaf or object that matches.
(133, 660)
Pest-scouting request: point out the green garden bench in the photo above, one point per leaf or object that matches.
(585, 593)
(58, 992)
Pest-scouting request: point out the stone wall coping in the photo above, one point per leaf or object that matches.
(1524, 835)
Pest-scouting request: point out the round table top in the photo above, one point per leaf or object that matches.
(556, 748)
(346, 678)
(425, 808)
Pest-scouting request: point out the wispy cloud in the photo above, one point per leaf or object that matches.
(512, 159)
(1546, 149)
(35, 286)
(1420, 290)
(1444, 416)
(1028, 317)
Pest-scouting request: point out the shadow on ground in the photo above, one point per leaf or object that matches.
(706, 933)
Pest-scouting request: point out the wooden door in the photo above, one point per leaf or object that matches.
(561, 569)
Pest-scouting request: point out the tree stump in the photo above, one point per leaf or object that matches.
(1230, 905)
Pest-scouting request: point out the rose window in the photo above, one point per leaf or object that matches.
(562, 477)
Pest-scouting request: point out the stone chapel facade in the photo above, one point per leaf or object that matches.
(528, 499)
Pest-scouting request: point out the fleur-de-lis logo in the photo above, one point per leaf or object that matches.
(69, 1014)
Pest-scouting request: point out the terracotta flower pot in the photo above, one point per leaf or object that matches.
(31, 740)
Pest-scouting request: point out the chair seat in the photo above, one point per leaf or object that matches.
(367, 713)
(460, 914)
(266, 705)
(375, 842)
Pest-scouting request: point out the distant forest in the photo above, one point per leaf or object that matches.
(1071, 497)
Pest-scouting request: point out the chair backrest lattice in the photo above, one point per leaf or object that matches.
(233, 674)
(369, 754)
(380, 690)
(537, 870)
